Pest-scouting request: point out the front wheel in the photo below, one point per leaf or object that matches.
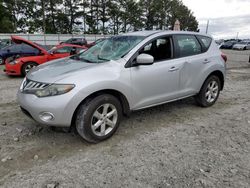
(99, 118)
(27, 67)
(209, 92)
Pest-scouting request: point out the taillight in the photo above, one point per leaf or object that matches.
(224, 57)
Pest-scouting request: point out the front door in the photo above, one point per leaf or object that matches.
(60, 52)
(159, 82)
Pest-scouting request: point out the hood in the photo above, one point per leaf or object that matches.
(19, 40)
(57, 70)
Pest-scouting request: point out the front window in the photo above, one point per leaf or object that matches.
(112, 48)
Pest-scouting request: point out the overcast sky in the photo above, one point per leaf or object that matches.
(227, 17)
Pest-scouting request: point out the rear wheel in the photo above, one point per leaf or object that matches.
(209, 92)
(99, 118)
(27, 67)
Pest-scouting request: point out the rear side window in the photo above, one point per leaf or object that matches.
(187, 45)
(206, 41)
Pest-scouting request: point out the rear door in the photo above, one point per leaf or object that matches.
(192, 51)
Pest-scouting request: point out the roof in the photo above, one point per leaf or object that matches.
(147, 33)
(142, 33)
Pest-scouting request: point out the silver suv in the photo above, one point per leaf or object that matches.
(124, 73)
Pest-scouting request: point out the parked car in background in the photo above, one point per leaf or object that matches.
(77, 41)
(228, 45)
(124, 73)
(22, 65)
(17, 49)
(242, 46)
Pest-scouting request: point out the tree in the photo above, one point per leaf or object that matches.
(6, 24)
(179, 11)
(96, 16)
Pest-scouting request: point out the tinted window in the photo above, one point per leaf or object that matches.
(160, 49)
(15, 48)
(206, 41)
(188, 45)
(28, 48)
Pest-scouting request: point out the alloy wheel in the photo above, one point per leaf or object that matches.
(29, 67)
(212, 91)
(104, 119)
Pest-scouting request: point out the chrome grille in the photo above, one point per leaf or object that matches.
(30, 85)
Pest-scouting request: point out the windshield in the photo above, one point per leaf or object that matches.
(5, 43)
(110, 49)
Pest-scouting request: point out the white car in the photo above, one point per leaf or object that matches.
(242, 46)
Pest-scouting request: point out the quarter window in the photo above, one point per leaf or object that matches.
(188, 45)
(206, 41)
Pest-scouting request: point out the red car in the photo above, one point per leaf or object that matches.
(22, 65)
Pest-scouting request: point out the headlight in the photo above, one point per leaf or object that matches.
(51, 90)
(14, 62)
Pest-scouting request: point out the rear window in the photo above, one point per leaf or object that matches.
(206, 41)
(188, 45)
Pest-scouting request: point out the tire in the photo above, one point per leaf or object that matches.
(209, 92)
(27, 67)
(96, 128)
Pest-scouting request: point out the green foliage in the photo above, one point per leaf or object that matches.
(93, 16)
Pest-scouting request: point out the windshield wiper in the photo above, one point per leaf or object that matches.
(101, 58)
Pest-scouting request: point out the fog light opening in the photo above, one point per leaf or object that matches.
(46, 116)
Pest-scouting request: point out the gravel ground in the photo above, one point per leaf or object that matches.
(172, 145)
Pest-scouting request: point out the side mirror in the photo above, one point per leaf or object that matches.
(144, 59)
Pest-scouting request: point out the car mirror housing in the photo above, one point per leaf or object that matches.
(144, 59)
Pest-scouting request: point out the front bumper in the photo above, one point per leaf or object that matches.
(59, 106)
(12, 69)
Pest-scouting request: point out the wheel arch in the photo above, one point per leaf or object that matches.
(25, 62)
(121, 97)
(220, 75)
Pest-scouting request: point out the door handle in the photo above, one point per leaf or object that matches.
(206, 61)
(172, 69)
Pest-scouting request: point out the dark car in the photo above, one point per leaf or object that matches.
(21, 49)
(76, 41)
(5, 42)
(228, 45)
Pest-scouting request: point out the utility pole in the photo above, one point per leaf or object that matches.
(237, 36)
(207, 26)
